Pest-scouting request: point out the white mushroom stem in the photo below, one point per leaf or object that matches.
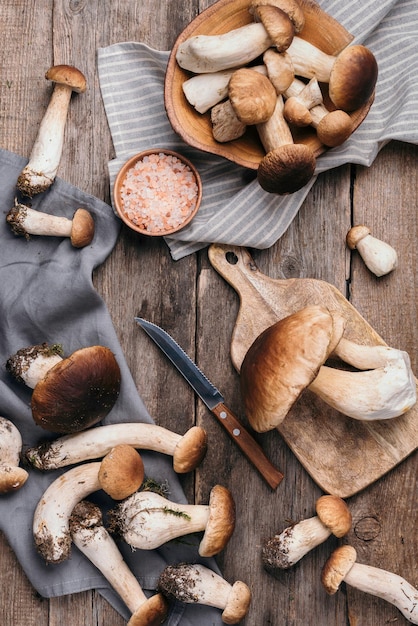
(12, 477)
(94, 541)
(225, 124)
(309, 61)
(30, 365)
(379, 256)
(213, 53)
(187, 450)
(275, 132)
(197, 584)
(26, 221)
(146, 520)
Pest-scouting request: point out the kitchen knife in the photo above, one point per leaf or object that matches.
(214, 400)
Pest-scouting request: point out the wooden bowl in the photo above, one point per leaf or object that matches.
(167, 191)
(195, 128)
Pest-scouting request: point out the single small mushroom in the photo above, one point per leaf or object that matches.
(197, 584)
(93, 540)
(289, 356)
(226, 126)
(380, 257)
(72, 393)
(291, 8)
(279, 69)
(342, 566)
(25, 221)
(351, 75)
(187, 450)
(287, 166)
(40, 172)
(297, 108)
(146, 520)
(332, 517)
(12, 477)
(252, 96)
(278, 25)
(52, 514)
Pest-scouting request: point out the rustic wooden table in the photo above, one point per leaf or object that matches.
(199, 308)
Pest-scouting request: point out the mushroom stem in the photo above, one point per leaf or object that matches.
(30, 365)
(197, 584)
(146, 520)
(187, 450)
(377, 255)
(41, 170)
(25, 221)
(342, 566)
(94, 541)
(12, 477)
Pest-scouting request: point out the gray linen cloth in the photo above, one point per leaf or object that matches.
(47, 295)
(234, 209)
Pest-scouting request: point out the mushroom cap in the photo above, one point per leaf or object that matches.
(12, 478)
(337, 567)
(356, 234)
(334, 128)
(67, 75)
(221, 522)
(353, 77)
(334, 514)
(279, 69)
(238, 603)
(77, 392)
(281, 362)
(296, 112)
(286, 169)
(152, 613)
(82, 230)
(292, 9)
(252, 96)
(190, 450)
(278, 25)
(121, 472)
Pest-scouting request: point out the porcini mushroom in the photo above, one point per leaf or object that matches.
(332, 517)
(146, 520)
(40, 172)
(342, 566)
(252, 96)
(25, 221)
(197, 584)
(380, 257)
(52, 514)
(297, 108)
(94, 541)
(279, 69)
(225, 124)
(291, 8)
(287, 166)
(187, 450)
(12, 477)
(289, 356)
(351, 75)
(72, 393)
(277, 23)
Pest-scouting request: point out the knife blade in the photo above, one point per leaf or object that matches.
(214, 400)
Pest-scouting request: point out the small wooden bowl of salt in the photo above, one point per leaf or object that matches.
(157, 192)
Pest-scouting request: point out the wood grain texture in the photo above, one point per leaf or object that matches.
(196, 305)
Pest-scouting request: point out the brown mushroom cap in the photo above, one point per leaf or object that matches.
(334, 128)
(152, 613)
(356, 234)
(12, 478)
(282, 362)
(238, 603)
(292, 9)
(121, 472)
(353, 78)
(190, 450)
(221, 522)
(296, 112)
(286, 169)
(279, 69)
(278, 25)
(252, 96)
(82, 230)
(77, 392)
(67, 75)
(334, 514)
(337, 567)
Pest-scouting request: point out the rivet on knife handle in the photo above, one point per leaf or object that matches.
(214, 400)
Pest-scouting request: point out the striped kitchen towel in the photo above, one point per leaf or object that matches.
(235, 210)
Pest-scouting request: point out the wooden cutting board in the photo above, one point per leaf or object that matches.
(341, 454)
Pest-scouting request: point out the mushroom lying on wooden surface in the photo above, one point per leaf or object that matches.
(187, 450)
(94, 541)
(289, 356)
(25, 221)
(12, 477)
(197, 584)
(72, 393)
(146, 520)
(40, 172)
(294, 542)
(51, 518)
(378, 256)
(342, 566)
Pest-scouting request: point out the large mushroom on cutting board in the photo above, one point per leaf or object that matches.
(289, 356)
(72, 393)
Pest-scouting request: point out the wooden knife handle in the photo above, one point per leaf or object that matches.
(248, 445)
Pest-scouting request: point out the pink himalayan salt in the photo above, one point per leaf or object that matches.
(159, 193)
